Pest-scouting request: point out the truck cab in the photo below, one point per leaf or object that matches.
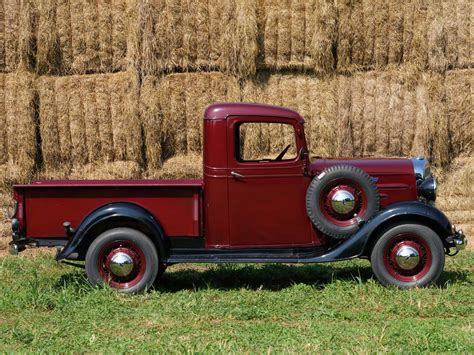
(254, 190)
(261, 199)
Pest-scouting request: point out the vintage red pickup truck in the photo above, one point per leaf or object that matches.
(253, 205)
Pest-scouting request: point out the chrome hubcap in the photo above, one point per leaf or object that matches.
(407, 257)
(343, 202)
(121, 264)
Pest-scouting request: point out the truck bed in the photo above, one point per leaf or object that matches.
(176, 204)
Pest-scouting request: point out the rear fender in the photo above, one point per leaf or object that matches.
(115, 215)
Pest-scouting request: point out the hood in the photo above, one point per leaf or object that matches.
(374, 167)
(395, 178)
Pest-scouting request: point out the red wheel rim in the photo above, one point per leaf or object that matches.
(335, 217)
(415, 242)
(108, 251)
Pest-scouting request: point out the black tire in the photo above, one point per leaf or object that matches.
(142, 251)
(367, 200)
(430, 265)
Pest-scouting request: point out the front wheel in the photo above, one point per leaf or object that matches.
(407, 256)
(123, 258)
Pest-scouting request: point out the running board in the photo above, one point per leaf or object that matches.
(347, 249)
(300, 255)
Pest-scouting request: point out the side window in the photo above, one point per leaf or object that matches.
(265, 142)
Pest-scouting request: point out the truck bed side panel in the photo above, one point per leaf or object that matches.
(47, 208)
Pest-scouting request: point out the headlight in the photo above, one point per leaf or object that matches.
(427, 189)
(10, 211)
(426, 184)
(421, 168)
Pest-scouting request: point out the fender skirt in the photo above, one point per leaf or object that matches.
(355, 246)
(116, 213)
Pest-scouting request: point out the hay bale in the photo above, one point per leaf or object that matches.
(16, 35)
(369, 114)
(366, 27)
(182, 99)
(179, 167)
(415, 35)
(455, 193)
(117, 170)
(437, 40)
(324, 36)
(91, 120)
(241, 31)
(381, 45)
(454, 49)
(356, 20)
(357, 113)
(298, 35)
(83, 36)
(315, 98)
(344, 34)
(152, 120)
(195, 35)
(17, 124)
(395, 33)
(421, 142)
(426, 34)
(408, 127)
(464, 16)
(459, 91)
(376, 113)
(438, 129)
(396, 116)
(10, 14)
(344, 136)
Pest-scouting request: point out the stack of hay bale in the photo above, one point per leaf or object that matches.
(117, 88)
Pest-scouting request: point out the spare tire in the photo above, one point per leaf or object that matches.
(339, 197)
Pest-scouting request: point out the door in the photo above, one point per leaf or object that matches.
(266, 182)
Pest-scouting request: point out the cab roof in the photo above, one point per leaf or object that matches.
(220, 111)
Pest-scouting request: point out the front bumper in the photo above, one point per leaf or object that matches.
(458, 240)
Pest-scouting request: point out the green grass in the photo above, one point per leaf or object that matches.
(240, 308)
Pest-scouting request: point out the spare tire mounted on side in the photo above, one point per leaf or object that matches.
(338, 197)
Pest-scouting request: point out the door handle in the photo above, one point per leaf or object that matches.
(237, 175)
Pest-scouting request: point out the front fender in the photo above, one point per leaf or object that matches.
(118, 213)
(411, 211)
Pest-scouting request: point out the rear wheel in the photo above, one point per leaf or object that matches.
(123, 258)
(407, 256)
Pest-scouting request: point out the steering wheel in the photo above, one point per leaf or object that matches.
(282, 154)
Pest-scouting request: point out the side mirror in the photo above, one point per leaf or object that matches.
(303, 153)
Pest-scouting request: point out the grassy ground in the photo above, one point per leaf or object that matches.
(250, 308)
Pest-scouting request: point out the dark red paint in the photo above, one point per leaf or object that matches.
(265, 208)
